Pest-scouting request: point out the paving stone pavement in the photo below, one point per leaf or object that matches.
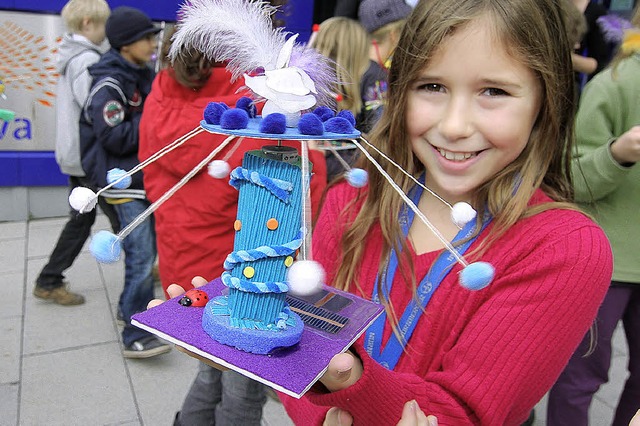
(63, 365)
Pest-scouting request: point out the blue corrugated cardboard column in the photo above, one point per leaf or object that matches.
(254, 316)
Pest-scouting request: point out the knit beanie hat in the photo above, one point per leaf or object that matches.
(375, 14)
(126, 25)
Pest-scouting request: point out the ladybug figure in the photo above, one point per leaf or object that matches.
(194, 297)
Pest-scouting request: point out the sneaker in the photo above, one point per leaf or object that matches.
(59, 295)
(145, 348)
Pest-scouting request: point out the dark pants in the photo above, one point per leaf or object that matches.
(570, 397)
(222, 398)
(72, 239)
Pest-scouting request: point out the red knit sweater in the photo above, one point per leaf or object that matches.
(476, 357)
(195, 226)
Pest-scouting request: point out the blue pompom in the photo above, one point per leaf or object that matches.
(338, 125)
(105, 247)
(234, 119)
(324, 113)
(348, 115)
(310, 124)
(275, 123)
(477, 275)
(213, 112)
(247, 104)
(357, 178)
(115, 174)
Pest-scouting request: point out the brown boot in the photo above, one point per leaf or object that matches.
(59, 295)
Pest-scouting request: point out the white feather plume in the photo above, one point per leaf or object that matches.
(239, 32)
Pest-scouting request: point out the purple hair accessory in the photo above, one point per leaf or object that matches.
(234, 119)
(274, 123)
(338, 125)
(213, 112)
(248, 105)
(348, 115)
(613, 27)
(310, 124)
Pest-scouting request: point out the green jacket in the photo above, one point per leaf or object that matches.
(609, 106)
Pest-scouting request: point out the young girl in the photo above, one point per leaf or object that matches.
(479, 108)
(480, 105)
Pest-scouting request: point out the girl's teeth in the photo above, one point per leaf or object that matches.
(456, 156)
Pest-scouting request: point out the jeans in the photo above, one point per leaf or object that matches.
(72, 239)
(140, 254)
(222, 399)
(570, 397)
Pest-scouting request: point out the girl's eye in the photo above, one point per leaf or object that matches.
(492, 91)
(431, 87)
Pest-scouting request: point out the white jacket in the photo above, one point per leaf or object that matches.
(75, 54)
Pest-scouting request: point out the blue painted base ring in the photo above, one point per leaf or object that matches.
(249, 340)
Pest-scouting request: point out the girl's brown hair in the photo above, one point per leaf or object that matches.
(533, 32)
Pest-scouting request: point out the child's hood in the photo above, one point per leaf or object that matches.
(73, 45)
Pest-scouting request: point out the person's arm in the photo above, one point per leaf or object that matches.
(114, 129)
(596, 172)
(583, 64)
(511, 350)
(78, 75)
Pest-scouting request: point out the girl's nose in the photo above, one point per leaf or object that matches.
(455, 122)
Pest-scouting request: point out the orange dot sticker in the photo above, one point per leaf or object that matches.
(237, 225)
(249, 272)
(288, 261)
(272, 224)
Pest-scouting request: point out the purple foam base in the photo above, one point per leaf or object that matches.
(291, 370)
(249, 340)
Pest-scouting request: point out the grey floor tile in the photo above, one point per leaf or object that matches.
(50, 327)
(9, 404)
(160, 384)
(12, 230)
(10, 351)
(12, 294)
(86, 386)
(42, 239)
(113, 279)
(12, 254)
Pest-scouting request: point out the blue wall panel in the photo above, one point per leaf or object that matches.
(30, 168)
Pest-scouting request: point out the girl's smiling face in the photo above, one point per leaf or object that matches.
(471, 111)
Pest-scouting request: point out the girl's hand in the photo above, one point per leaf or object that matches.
(343, 371)
(412, 415)
(626, 149)
(175, 290)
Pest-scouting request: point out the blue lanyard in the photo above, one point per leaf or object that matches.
(389, 356)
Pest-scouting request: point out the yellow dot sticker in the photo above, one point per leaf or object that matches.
(237, 225)
(249, 272)
(272, 224)
(288, 261)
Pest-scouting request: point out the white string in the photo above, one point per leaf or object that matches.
(334, 151)
(413, 207)
(153, 207)
(405, 172)
(305, 249)
(165, 150)
(233, 149)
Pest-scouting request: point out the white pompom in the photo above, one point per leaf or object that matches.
(462, 213)
(83, 199)
(219, 169)
(292, 118)
(305, 277)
